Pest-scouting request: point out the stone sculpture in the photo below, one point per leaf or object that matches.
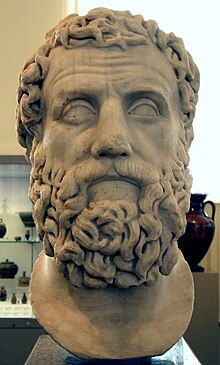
(105, 112)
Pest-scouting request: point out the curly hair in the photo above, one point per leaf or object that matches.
(102, 27)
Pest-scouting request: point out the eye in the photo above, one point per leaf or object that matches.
(78, 111)
(143, 107)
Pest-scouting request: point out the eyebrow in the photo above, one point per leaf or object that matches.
(155, 96)
(59, 104)
(160, 91)
(129, 87)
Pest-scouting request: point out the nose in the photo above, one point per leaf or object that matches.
(111, 140)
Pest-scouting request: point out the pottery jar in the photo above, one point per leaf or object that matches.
(3, 228)
(199, 233)
(8, 269)
(3, 294)
(23, 280)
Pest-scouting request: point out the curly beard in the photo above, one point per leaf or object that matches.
(124, 234)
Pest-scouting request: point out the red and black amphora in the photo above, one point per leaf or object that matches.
(199, 233)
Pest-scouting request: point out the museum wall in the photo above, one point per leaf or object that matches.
(211, 262)
(22, 26)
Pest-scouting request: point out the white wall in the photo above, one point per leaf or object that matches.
(23, 24)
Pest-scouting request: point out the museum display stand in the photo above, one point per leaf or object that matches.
(46, 351)
(202, 334)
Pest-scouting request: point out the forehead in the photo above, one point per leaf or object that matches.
(87, 67)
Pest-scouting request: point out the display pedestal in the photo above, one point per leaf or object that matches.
(202, 334)
(46, 351)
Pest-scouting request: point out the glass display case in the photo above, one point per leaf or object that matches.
(18, 246)
(18, 243)
(14, 185)
(22, 255)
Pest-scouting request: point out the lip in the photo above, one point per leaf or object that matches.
(115, 178)
(113, 188)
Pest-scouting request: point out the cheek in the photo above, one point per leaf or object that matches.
(83, 143)
(156, 142)
(167, 141)
(65, 143)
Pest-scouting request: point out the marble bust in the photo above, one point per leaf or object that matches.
(105, 112)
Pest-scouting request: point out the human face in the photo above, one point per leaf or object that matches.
(110, 104)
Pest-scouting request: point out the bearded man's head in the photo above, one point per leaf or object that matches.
(105, 111)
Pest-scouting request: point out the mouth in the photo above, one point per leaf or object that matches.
(113, 188)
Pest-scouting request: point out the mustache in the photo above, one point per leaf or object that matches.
(79, 177)
(91, 171)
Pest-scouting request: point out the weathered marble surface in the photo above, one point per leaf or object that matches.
(105, 112)
(112, 323)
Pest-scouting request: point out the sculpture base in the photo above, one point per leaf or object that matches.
(113, 323)
(46, 351)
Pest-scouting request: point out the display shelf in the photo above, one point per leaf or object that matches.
(19, 245)
(8, 240)
(8, 310)
(23, 253)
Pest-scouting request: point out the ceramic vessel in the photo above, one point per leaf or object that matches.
(13, 299)
(23, 280)
(3, 228)
(24, 298)
(27, 219)
(199, 233)
(27, 235)
(8, 269)
(3, 294)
